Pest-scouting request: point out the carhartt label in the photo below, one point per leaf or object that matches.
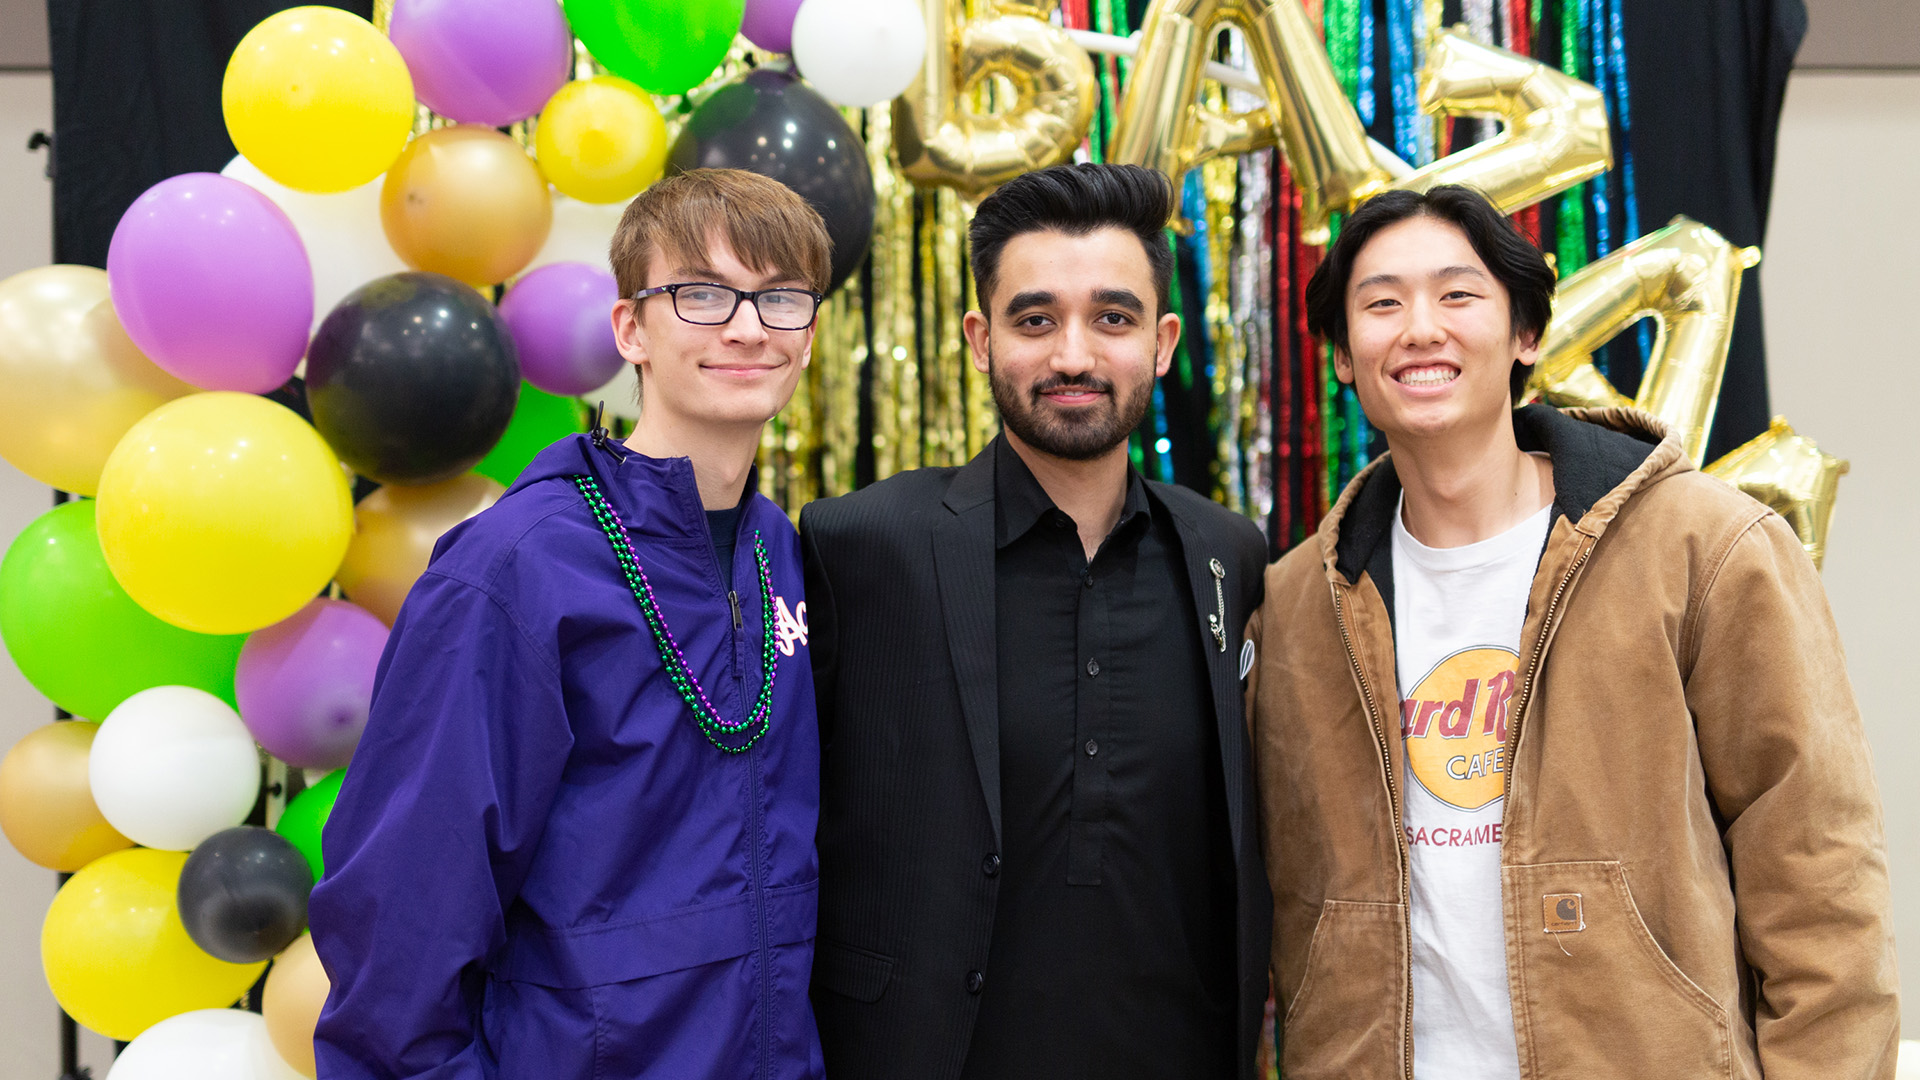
(1562, 913)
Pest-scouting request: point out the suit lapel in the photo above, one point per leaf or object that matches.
(1222, 663)
(963, 565)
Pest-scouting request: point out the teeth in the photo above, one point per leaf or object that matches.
(1428, 376)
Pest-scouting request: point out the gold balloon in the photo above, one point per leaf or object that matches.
(71, 381)
(1555, 135)
(941, 140)
(46, 807)
(296, 989)
(393, 536)
(467, 202)
(1790, 474)
(1687, 276)
(1161, 125)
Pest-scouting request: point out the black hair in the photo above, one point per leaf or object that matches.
(1510, 257)
(1075, 200)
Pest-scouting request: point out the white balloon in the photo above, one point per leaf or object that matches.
(859, 52)
(581, 232)
(344, 239)
(206, 1044)
(173, 765)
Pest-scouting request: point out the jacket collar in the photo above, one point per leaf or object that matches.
(1601, 457)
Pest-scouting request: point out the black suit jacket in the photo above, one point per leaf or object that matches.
(900, 599)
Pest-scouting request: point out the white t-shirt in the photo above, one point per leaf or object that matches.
(1457, 619)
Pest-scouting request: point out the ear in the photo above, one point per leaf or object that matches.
(1342, 365)
(1166, 335)
(976, 328)
(1529, 353)
(630, 336)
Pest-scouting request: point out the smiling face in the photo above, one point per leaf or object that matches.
(1430, 341)
(737, 374)
(1070, 340)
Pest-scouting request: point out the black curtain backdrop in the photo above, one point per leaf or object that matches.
(136, 99)
(1707, 79)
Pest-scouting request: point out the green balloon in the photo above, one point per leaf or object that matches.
(666, 46)
(539, 420)
(80, 639)
(304, 818)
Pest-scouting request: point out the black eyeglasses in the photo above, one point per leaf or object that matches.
(704, 303)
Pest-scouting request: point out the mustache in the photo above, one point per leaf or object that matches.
(1087, 383)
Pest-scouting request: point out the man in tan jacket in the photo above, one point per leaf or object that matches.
(1561, 775)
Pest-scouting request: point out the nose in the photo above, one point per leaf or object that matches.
(1423, 325)
(1074, 356)
(745, 327)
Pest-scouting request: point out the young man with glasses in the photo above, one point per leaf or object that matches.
(578, 836)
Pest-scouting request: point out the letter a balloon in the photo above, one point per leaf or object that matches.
(223, 513)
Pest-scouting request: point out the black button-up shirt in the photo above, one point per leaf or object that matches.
(1112, 952)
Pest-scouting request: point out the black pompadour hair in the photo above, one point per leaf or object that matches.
(1510, 257)
(1075, 200)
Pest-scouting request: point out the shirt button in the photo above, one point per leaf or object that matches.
(1092, 748)
(975, 980)
(1093, 667)
(1087, 579)
(990, 865)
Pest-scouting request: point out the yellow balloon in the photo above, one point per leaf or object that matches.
(296, 989)
(318, 99)
(116, 956)
(467, 202)
(601, 140)
(46, 804)
(223, 513)
(71, 381)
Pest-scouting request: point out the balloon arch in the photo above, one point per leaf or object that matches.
(400, 287)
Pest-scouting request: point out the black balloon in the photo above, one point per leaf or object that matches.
(771, 123)
(412, 378)
(243, 894)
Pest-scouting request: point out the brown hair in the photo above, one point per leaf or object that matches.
(766, 224)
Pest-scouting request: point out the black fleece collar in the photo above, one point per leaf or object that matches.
(1588, 462)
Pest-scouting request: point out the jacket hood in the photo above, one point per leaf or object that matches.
(1600, 458)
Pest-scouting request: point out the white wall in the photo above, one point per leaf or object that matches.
(1842, 276)
(29, 1036)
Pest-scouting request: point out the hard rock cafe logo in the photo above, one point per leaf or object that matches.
(1454, 725)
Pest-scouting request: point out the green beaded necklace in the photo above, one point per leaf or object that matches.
(712, 724)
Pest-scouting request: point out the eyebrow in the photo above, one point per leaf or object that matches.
(1438, 275)
(770, 279)
(1030, 298)
(1120, 298)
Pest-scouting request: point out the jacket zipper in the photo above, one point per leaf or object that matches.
(1533, 663)
(1399, 831)
(733, 601)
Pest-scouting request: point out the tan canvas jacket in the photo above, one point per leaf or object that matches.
(1684, 760)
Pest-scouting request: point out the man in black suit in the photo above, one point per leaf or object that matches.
(1038, 849)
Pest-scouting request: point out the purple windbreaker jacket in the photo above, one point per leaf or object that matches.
(538, 866)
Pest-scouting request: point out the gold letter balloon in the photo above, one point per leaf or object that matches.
(938, 136)
(223, 513)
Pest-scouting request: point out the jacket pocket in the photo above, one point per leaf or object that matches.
(1601, 997)
(1345, 1019)
(849, 971)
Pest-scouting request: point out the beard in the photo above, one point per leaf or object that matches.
(1081, 434)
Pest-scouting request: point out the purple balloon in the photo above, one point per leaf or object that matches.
(561, 317)
(211, 282)
(304, 683)
(491, 62)
(769, 23)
